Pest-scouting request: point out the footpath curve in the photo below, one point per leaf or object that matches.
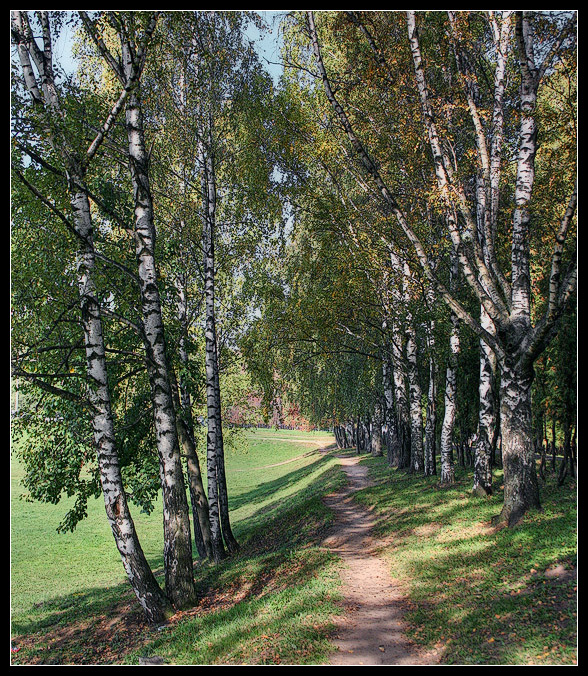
(371, 631)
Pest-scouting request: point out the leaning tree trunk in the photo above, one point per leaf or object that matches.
(179, 577)
(143, 582)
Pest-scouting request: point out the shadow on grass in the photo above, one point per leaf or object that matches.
(277, 567)
(480, 593)
(83, 627)
(269, 489)
(293, 630)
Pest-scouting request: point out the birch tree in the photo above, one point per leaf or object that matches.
(517, 342)
(177, 535)
(52, 123)
(213, 102)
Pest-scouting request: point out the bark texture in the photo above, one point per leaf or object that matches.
(176, 523)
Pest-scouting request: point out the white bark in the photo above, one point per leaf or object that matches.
(177, 537)
(142, 580)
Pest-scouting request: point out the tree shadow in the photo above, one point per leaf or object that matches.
(104, 625)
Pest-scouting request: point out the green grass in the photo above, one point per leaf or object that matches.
(273, 603)
(478, 594)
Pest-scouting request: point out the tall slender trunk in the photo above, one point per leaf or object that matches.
(198, 497)
(143, 582)
(229, 538)
(416, 411)
(483, 449)
(217, 488)
(401, 397)
(176, 523)
(447, 466)
(187, 439)
(392, 442)
(430, 467)
(486, 415)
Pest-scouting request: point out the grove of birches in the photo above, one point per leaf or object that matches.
(384, 236)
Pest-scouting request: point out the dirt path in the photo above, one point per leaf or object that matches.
(371, 631)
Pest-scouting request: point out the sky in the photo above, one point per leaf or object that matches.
(267, 44)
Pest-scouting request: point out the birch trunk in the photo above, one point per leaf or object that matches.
(376, 433)
(392, 442)
(483, 449)
(487, 415)
(447, 466)
(521, 488)
(431, 421)
(179, 578)
(517, 343)
(430, 467)
(229, 538)
(143, 582)
(198, 497)
(521, 491)
(217, 489)
(401, 398)
(416, 411)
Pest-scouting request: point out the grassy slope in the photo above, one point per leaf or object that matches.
(480, 594)
(273, 603)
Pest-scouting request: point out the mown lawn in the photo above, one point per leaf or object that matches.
(481, 595)
(273, 603)
(478, 594)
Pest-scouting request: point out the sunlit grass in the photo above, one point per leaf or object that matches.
(479, 594)
(273, 603)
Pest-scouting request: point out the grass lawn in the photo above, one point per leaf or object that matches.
(272, 603)
(483, 596)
